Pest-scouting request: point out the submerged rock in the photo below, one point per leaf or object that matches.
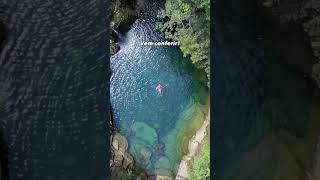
(145, 154)
(164, 178)
(158, 149)
(144, 132)
(162, 167)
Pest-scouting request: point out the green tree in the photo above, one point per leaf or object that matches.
(122, 13)
(188, 21)
(200, 169)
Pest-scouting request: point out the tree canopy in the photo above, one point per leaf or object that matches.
(201, 165)
(188, 21)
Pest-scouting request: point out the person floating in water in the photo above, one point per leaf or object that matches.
(159, 88)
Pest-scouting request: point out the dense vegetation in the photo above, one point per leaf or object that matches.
(124, 12)
(201, 165)
(188, 21)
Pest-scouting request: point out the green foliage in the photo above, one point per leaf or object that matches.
(188, 21)
(122, 12)
(201, 165)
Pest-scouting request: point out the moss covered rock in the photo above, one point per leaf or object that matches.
(144, 132)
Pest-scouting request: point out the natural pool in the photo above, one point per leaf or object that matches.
(157, 125)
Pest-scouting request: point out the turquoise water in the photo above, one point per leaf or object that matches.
(149, 119)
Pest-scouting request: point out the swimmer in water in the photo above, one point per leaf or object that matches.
(159, 88)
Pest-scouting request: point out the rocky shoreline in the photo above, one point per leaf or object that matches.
(193, 149)
(121, 162)
(114, 47)
(123, 166)
(125, 12)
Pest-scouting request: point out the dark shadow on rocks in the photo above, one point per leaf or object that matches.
(112, 126)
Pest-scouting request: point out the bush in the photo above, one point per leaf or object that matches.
(200, 169)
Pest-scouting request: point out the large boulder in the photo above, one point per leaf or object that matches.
(120, 157)
(127, 161)
(119, 142)
(122, 163)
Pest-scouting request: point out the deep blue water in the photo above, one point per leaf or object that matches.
(137, 70)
